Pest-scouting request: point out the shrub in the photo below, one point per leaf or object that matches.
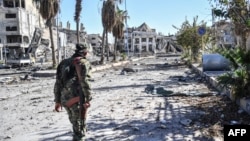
(239, 79)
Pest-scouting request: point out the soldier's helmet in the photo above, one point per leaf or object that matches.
(82, 47)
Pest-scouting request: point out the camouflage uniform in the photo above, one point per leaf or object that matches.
(67, 86)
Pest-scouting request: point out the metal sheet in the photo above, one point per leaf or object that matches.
(215, 62)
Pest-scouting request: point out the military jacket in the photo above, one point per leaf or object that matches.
(67, 85)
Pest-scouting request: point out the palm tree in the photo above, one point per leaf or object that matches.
(108, 22)
(48, 9)
(78, 9)
(118, 31)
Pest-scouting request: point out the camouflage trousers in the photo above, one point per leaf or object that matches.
(74, 118)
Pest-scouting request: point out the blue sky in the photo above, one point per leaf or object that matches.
(158, 14)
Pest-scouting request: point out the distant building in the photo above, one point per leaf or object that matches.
(96, 42)
(138, 40)
(72, 35)
(224, 34)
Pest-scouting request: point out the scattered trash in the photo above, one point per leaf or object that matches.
(136, 128)
(7, 137)
(151, 89)
(25, 77)
(186, 122)
(3, 98)
(128, 70)
(123, 73)
(162, 126)
(6, 80)
(162, 91)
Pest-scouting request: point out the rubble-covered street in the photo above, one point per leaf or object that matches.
(157, 99)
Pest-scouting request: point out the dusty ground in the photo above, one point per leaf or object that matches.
(121, 108)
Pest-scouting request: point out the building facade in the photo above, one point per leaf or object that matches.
(138, 40)
(224, 34)
(19, 20)
(96, 42)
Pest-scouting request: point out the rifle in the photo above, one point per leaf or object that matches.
(72, 101)
(75, 100)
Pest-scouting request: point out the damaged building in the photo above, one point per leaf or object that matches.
(138, 40)
(145, 40)
(23, 35)
(96, 42)
(19, 21)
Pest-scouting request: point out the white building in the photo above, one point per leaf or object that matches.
(139, 40)
(23, 31)
(19, 19)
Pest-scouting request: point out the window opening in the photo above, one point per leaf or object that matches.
(7, 16)
(11, 28)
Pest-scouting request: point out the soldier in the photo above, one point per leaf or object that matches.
(68, 86)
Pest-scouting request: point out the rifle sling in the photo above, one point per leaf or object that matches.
(78, 71)
(80, 98)
(83, 111)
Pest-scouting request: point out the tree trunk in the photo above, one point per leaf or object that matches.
(115, 48)
(102, 49)
(77, 31)
(52, 45)
(107, 46)
(244, 41)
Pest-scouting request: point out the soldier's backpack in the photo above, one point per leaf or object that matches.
(65, 71)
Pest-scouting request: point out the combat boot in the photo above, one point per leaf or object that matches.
(77, 138)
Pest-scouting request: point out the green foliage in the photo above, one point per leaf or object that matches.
(239, 79)
(123, 56)
(189, 38)
(238, 57)
(220, 13)
(118, 29)
(184, 55)
(237, 11)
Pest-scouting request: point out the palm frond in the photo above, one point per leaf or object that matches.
(226, 80)
(108, 15)
(78, 9)
(48, 8)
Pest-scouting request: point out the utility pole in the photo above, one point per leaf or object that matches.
(5, 54)
(215, 26)
(58, 38)
(1, 52)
